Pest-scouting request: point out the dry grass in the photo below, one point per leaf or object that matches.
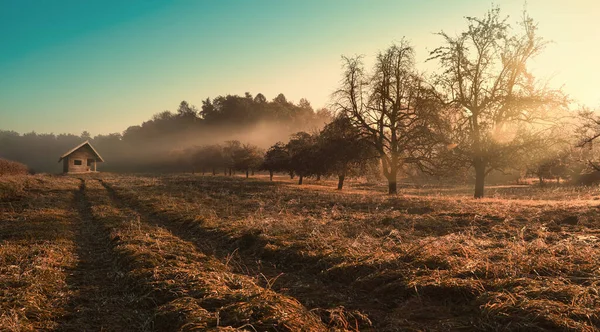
(36, 248)
(190, 289)
(417, 262)
(202, 253)
(9, 167)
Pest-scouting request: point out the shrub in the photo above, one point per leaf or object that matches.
(9, 167)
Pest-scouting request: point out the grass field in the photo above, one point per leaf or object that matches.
(201, 253)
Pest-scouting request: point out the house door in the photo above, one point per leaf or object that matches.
(91, 164)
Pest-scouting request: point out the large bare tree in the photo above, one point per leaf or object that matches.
(494, 104)
(392, 108)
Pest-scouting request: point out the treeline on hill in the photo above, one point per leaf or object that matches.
(156, 144)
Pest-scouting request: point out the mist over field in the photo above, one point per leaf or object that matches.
(159, 143)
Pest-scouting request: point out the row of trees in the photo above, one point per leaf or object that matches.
(483, 109)
(229, 157)
(337, 150)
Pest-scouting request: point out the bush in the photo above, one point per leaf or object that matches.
(9, 167)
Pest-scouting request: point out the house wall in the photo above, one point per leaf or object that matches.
(83, 154)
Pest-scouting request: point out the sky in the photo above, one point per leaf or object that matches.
(68, 66)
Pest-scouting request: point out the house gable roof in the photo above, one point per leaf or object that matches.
(79, 147)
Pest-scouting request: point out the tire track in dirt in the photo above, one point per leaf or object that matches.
(103, 301)
(347, 294)
(338, 303)
(443, 295)
(193, 290)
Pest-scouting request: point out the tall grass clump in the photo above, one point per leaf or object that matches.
(9, 167)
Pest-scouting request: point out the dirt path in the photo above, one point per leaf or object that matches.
(103, 301)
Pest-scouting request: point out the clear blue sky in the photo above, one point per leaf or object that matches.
(101, 66)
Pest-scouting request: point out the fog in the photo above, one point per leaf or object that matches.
(160, 143)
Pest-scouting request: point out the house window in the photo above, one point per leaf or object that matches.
(77, 162)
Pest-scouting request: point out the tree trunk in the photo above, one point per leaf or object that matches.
(390, 173)
(341, 181)
(392, 181)
(246, 174)
(318, 177)
(225, 172)
(300, 179)
(479, 179)
(230, 172)
(541, 178)
(252, 172)
(214, 171)
(270, 175)
(392, 187)
(292, 175)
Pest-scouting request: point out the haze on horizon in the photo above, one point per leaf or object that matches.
(102, 66)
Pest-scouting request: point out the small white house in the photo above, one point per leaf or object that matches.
(81, 159)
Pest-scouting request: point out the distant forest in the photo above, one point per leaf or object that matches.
(159, 143)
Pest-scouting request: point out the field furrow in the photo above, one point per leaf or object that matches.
(191, 289)
(286, 269)
(103, 299)
(368, 290)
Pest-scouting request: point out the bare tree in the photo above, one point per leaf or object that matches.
(392, 108)
(495, 106)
